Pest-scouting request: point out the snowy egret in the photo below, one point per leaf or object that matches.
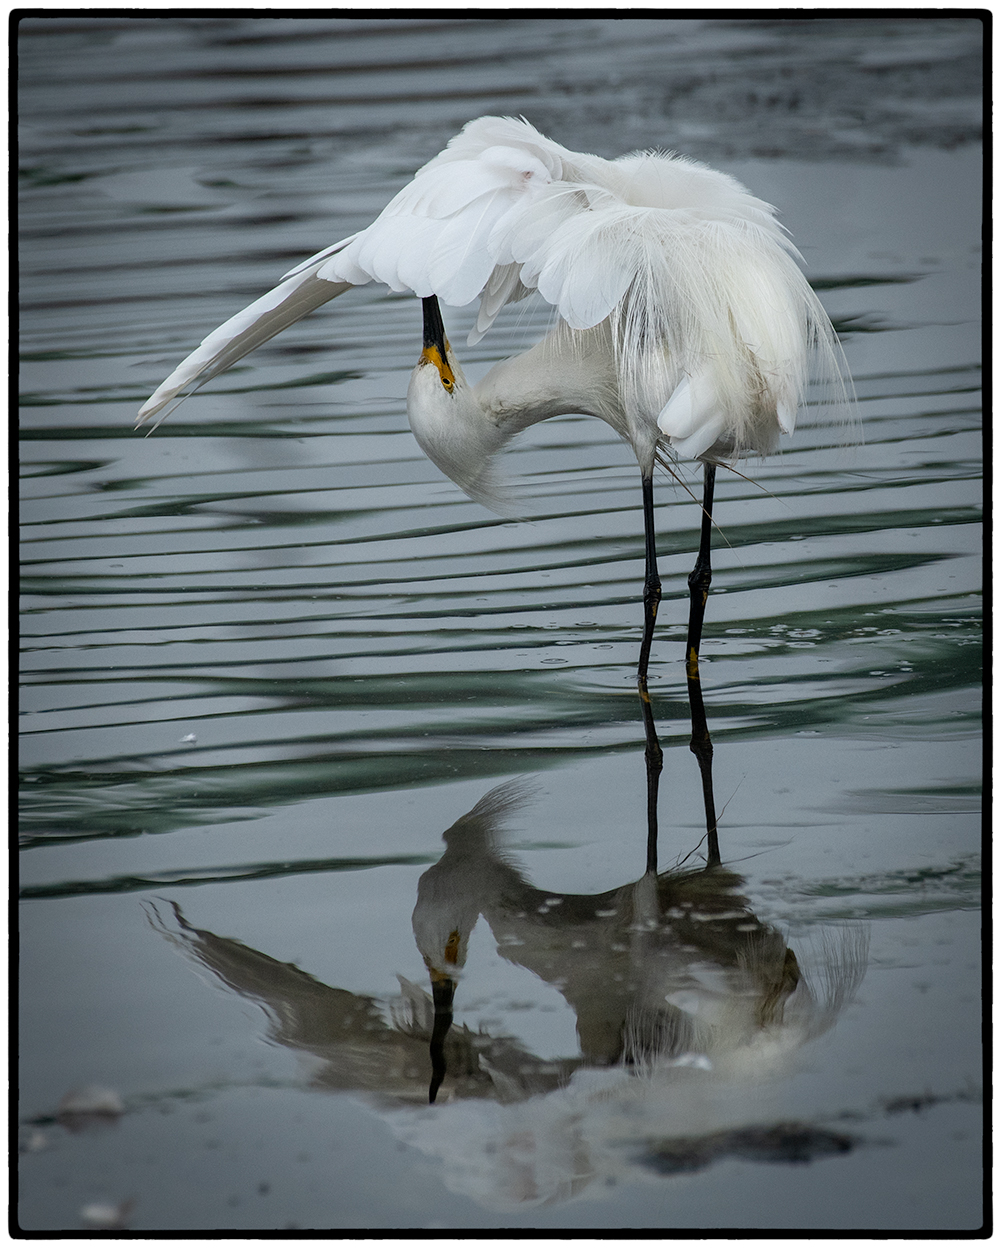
(683, 319)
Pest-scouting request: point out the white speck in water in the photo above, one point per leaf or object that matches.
(108, 1217)
(92, 1099)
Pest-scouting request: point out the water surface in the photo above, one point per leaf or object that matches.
(270, 655)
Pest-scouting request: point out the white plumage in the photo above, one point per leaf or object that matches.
(712, 319)
(683, 319)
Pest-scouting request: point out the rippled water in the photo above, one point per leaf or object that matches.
(270, 655)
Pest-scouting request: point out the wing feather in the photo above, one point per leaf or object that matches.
(432, 237)
(503, 286)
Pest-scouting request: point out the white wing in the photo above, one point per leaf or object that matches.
(430, 239)
(298, 294)
(435, 237)
(707, 304)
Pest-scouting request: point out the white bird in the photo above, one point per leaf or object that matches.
(683, 319)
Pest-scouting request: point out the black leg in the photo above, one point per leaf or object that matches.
(651, 584)
(700, 577)
(701, 745)
(651, 601)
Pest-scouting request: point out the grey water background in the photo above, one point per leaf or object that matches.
(270, 654)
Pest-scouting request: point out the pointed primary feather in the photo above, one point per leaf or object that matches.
(287, 303)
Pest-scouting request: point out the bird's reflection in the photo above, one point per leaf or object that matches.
(673, 970)
(682, 997)
(686, 1004)
(667, 968)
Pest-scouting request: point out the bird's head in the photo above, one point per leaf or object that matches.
(448, 905)
(449, 422)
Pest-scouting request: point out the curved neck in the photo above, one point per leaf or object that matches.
(569, 372)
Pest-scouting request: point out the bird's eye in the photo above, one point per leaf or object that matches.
(448, 383)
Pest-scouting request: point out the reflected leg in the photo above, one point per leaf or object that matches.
(702, 747)
(700, 577)
(701, 744)
(654, 766)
